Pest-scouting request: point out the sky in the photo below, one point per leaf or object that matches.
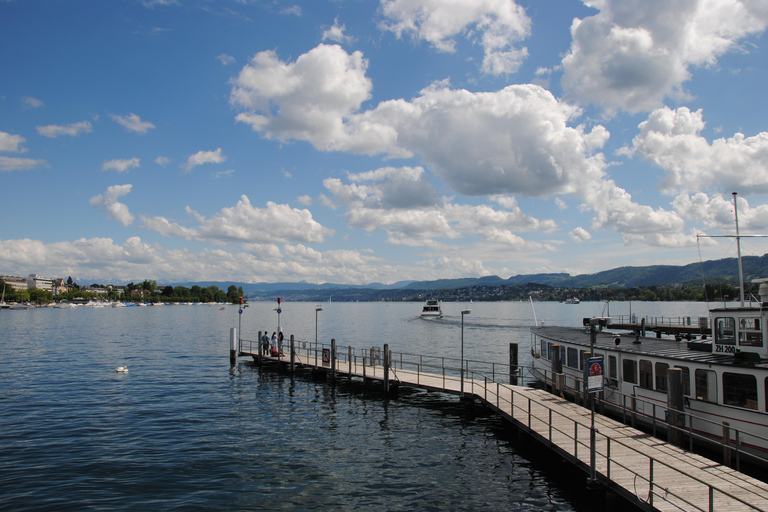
(361, 141)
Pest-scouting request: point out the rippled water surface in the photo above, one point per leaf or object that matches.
(183, 430)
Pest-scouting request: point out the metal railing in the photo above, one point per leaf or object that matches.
(632, 410)
(524, 414)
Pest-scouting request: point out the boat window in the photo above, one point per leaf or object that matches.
(544, 351)
(686, 380)
(725, 331)
(612, 368)
(661, 377)
(646, 374)
(750, 334)
(629, 371)
(562, 354)
(706, 385)
(740, 390)
(573, 358)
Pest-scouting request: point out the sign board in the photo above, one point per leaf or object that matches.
(326, 357)
(595, 374)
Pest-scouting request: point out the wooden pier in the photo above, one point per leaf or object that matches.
(645, 470)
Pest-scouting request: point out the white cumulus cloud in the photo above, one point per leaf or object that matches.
(120, 165)
(132, 123)
(497, 25)
(111, 206)
(205, 157)
(634, 53)
(53, 131)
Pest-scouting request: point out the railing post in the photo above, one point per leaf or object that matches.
(333, 360)
(233, 346)
(575, 440)
(513, 364)
(650, 483)
(608, 458)
(293, 355)
(386, 368)
(550, 426)
(349, 361)
(529, 414)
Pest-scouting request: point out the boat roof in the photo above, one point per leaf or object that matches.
(656, 347)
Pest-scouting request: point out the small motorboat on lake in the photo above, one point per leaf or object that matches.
(431, 309)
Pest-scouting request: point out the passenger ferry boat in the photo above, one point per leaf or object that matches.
(431, 309)
(724, 377)
(724, 369)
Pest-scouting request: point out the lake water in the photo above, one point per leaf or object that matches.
(182, 430)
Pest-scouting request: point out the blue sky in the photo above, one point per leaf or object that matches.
(353, 141)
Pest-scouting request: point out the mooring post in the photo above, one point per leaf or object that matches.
(333, 359)
(293, 355)
(513, 364)
(675, 404)
(557, 368)
(261, 350)
(233, 346)
(727, 443)
(386, 368)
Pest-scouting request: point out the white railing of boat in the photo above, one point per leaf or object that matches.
(665, 321)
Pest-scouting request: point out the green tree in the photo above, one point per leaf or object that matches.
(40, 296)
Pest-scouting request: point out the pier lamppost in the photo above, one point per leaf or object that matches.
(463, 312)
(318, 308)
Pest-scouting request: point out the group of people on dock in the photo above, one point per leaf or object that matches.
(272, 346)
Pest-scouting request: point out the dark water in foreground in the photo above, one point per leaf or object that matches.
(184, 431)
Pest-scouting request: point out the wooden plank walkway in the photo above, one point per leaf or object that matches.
(641, 468)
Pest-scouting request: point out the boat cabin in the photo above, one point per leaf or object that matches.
(742, 331)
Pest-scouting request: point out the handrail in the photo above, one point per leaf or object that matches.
(606, 456)
(449, 368)
(633, 411)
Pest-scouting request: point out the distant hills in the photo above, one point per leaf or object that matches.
(714, 271)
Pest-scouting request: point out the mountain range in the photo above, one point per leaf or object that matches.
(713, 271)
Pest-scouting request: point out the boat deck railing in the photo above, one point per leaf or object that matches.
(662, 321)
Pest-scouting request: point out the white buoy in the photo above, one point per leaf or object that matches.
(121, 369)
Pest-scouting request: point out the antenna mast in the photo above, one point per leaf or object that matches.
(738, 250)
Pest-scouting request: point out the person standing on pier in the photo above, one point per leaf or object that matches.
(280, 343)
(265, 343)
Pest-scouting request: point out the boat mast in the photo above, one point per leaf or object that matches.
(738, 250)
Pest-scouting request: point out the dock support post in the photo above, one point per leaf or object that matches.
(333, 360)
(557, 369)
(727, 444)
(513, 364)
(293, 356)
(386, 368)
(261, 350)
(233, 346)
(675, 404)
